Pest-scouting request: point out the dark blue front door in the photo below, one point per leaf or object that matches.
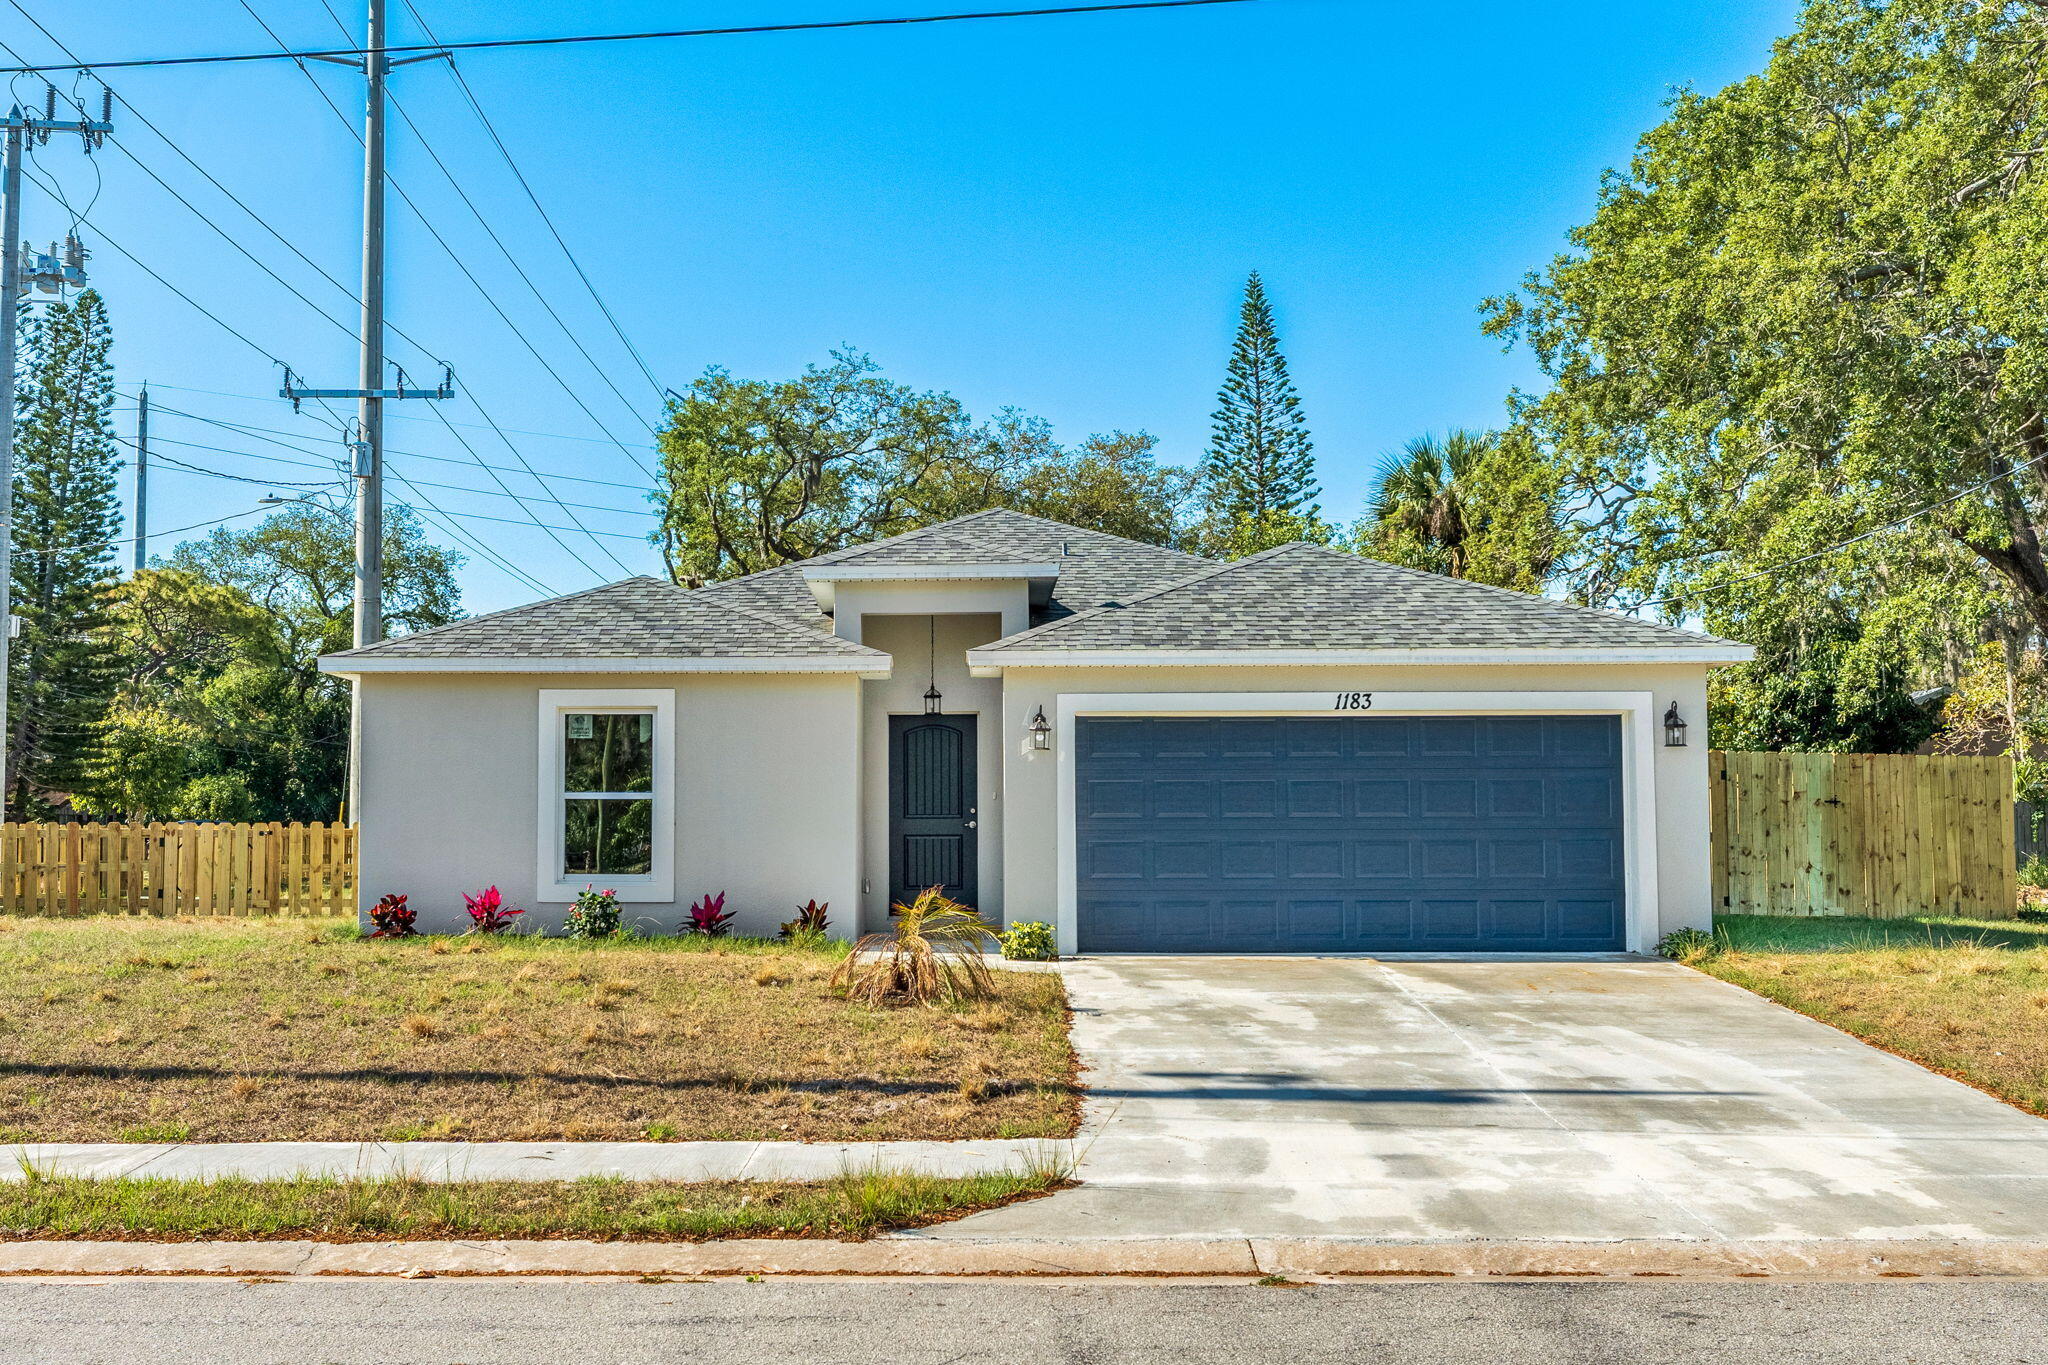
(1349, 834)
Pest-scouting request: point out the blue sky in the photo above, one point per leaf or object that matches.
(1056, 214)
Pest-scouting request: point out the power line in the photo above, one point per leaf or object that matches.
(130, 540)
(481, 45)
(512, 165)
(245, 429)
(460, 265)
(310, 464)
(55, 193)
(407, 417)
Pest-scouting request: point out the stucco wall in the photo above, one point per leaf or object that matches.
(1031, 834)
(908, 641)
(766, 809)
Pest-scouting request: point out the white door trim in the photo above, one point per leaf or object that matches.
(1638, 766)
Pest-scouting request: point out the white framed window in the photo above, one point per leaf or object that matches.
(607, 793)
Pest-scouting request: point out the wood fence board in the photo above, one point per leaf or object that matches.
(177, 869)
(1884, 835)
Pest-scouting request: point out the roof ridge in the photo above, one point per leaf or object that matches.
(786, 626)
(504, 611)
(846, 552)
(1199, 576)
(1519, 594)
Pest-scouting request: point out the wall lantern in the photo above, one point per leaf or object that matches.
(1674, 729)
(1041, 731)
(933, 701)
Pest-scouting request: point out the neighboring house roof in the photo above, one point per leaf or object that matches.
(641, 624)
(1305, 599)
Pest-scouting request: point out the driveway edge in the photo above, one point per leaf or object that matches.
(1312, 1258)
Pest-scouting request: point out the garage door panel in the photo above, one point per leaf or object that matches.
(1375, 858)
(1184, 860)
(1518, 859)
(1382, 798)
(1357, 833)
(1255, 797)
(1250, 860)
(1102, 799)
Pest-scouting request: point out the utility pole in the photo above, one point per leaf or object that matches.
(142, 479)
(370, 392)
(51, 275)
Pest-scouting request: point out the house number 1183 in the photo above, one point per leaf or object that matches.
(1353, 701)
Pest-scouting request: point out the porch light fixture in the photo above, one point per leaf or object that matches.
(933, 699)
(1041, 731)
(1674, 729)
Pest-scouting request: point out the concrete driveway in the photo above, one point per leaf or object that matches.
(1573, 1100)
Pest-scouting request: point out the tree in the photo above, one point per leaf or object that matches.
(1812, 312)
(1471, 505)
(223, 713)
(759, 473)
(1111, 483)
(67, 524)
(1259, 476)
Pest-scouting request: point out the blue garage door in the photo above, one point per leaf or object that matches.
(1349, 834)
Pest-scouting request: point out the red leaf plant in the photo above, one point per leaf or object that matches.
(392, 919)
(709, 917)
(487, 912)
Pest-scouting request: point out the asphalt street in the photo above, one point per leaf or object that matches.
(1017, 1322)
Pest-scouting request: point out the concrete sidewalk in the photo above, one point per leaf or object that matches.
(527, 1160)
(1293, 1257)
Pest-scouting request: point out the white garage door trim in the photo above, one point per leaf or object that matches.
(1638, 764)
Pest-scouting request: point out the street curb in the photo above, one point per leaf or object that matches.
(911, 1255)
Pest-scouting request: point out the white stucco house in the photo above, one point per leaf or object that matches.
(1300, 751)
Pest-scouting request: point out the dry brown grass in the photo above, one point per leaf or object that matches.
(1969, 999)
(328, 1037)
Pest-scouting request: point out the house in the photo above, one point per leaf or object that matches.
(1300, 751)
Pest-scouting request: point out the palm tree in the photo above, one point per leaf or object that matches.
(1418, 497)
(1443, 504)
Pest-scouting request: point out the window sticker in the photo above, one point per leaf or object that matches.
(581, 727)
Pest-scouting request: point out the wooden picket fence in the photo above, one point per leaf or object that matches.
(177, 869)
(1885, 835)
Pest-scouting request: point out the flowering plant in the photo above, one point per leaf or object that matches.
(594, 915)
(709, 917)
(487, 912)
(392, 919)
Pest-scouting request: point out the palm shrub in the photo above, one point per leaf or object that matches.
(810, 923)
(931, 953)
(391, 918)
(709, 917)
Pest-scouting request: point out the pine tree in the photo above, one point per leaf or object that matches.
(1258, 477)
(67, 514)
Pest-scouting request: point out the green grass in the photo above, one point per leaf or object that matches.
(854, 1205)
(1968, 998)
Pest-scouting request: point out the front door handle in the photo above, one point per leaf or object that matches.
(970, 824)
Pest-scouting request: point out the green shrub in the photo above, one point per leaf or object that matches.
(1028, 941)
(594, 915)
(1688, 945)
(2034, 873)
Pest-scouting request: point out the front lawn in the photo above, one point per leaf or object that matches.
(855, 1205)
(142, 1031)
(1964, 997)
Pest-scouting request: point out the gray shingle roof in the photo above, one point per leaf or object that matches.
(1309, 597)
(640, 618)
(1095, 567)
